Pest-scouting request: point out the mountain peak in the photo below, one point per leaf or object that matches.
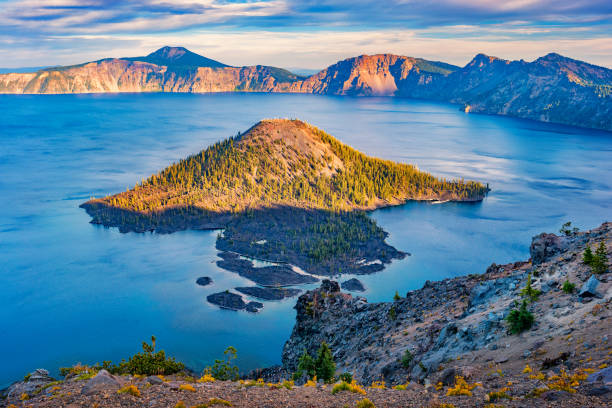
(170, 53)
(174, 57)
(482, 59)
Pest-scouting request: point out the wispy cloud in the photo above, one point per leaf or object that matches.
(305, 33)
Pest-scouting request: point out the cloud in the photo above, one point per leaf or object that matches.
(304, 33)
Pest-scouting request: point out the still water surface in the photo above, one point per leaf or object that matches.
(73, 292)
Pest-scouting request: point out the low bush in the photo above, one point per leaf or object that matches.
(365, 403)
(129, 389)
(407, 359)
(225, 370)
(520, 319)
(568, 287)
(147, 362)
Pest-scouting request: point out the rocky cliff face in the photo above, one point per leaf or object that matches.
(551, 89)
(459, 324)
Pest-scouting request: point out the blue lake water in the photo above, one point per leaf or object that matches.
(74, 292)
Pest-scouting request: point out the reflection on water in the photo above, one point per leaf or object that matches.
(74, 292)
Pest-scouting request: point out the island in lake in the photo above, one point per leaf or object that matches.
(286, 193)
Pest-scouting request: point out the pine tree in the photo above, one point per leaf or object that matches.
(529, 292)
(587, 257)
(326, 368)
(396, 297)
(600, 259)
(306, 365)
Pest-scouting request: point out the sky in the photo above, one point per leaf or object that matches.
(303, 34)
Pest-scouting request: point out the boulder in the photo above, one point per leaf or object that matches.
(589, 288)
(353, 285)
(154, 380)
(30, 384)
(103, 381)
(545, 246)
(602, 376)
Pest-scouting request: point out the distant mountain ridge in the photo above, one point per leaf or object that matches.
(553, 88)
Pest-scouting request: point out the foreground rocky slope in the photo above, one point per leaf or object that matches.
(552, 88)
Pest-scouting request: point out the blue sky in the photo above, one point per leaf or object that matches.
(303, 33)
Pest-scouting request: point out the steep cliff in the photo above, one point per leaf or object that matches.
(552, 88)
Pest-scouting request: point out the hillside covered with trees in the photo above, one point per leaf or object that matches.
(283, 163)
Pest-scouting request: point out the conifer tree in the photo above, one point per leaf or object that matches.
(600, 259)
(587, 256)
(326, 368)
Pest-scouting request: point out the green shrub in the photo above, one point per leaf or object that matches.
(365, 403)
(520, 319)
(392, 313)
(147, 363)
(567, 230)
(306, 365)
(529, 292)
(224, 370)
(407, 359)
(568, 287)
(326, 368)
(396, 297)
(323, 367)
(346, 377)
(341, 386)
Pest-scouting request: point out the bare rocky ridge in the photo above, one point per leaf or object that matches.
(459, 324)
(552, 88)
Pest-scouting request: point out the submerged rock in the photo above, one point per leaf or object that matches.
(204, 280)
(353, 285)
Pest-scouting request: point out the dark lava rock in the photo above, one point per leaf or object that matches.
(227, 300)
(555, 395)
(330, 286)
(276, 275)
(589, 289)
(204, 280)
(269, 293)
(353, 285)
(254, 307)
(545, 246)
